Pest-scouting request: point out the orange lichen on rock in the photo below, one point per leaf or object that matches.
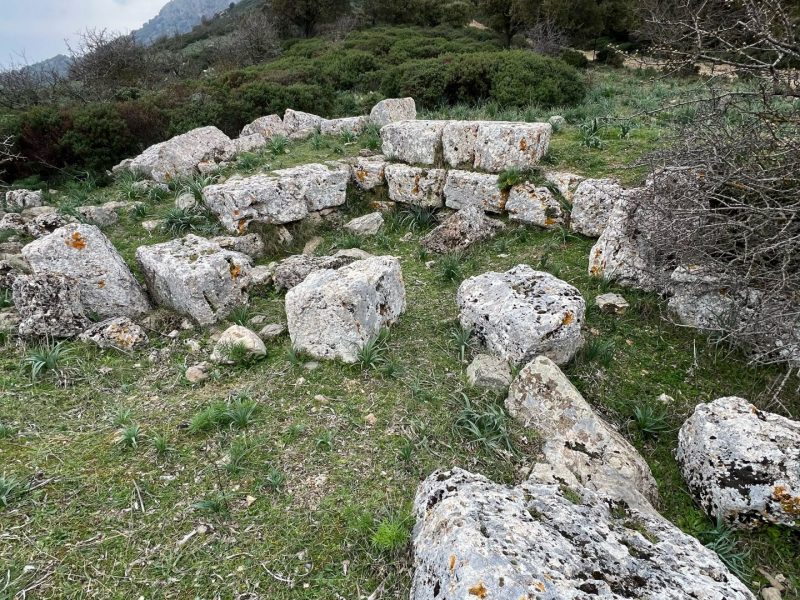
(523, 144)
(101, 284)
(479, 590)
(361, 175)
(452, 562)
(76, 241)
(236, 270)
(416, 185)
(242, 226)
(568, 318)
(790, 504)
(549, 221)
(540, 587)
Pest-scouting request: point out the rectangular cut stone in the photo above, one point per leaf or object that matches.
(368, 172)
(322, 187)
(415, 185)
(467, 188)
(501, 145)
(260, 198)
(354, 125)
(413, 142)
(458, 143)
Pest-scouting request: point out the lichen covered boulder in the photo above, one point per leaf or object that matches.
(416, 185)
(592, 204)
(287, 196)
(195, 277)
(368, 172)
(742, 464)
(17, 200)
(522, 313)
(477, 539)
(301, 125)
(413, 142)
(534, 205)
(393, 109)
(351, 125)
(467, 188)
(461, 230)
(267, 127)
(81, 252)
(579, 446)
(48, 305)
(120, 333)
(294, 269)
(334, 314)
(500, 146)
(179, 156)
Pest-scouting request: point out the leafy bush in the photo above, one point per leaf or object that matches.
(511, 79)
(574, 58)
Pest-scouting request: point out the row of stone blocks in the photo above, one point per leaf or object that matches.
(491, 146)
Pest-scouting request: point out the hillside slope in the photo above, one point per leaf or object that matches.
(180, 16)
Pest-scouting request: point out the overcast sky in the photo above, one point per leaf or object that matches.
(38, 28)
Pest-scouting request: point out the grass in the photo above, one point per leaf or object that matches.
(48, 358)
(88, 541)
(9, 488)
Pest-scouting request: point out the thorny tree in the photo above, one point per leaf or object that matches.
(7, 154)
(740, 216)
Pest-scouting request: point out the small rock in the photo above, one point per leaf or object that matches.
(487, 371)
(612, 303)
(461, 230)
(236, 335)
(557, 121)
(152, 225)
(666, 399)
(371, 420)
(272, 331)
(197, 373)
(185, 201)
(120, 333)
(367, 225)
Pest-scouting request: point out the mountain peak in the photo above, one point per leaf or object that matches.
(180, 16)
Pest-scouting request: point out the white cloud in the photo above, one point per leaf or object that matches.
(38, 28)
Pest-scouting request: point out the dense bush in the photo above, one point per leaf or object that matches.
(511, 79)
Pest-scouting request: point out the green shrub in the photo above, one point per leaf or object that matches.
(511, 79)
(574, 58)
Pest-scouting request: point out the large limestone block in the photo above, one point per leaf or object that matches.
(49, 305)
(17, 200)
(416, 185)
(368, 172)
(301, 125)
(742, 464)
(333, 314)
(195, 277)
(461, 230)
(458, 143)
(467, 188)
(393, 109)
(477, 539)
(81, 252)
(260, 198)
(179, 156)
(534, 205)
(321, 186)
(522, 313)
(566, 183)
(294, 269)
(413, 142)
(592, 204)
(353, 125)
(267, 127)
(578, 444)
(501, 146)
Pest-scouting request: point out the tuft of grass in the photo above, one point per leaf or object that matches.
(450, 267)
(462, 338)
(216, 504)
(514, 176)
(651, 421)
(179, 221)
(373, 354)
(6, 431)
(348, 239)
(10, 488)
(238, 454)
(348, 137)
(122, 417)
(239, 413)
(5, 298)
(392, 534)
(161, 445)
(47, 358)
(278, 145)
(324, 441)
(417, 218)
(295, 357)
(129, 437)
(406, 451)
(485, 424)
(274, 480)
(723, 540)
(140, 211)
(241, 315)
(596, 350)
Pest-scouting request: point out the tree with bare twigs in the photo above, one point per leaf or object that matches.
(738, 221)
(7, 154)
